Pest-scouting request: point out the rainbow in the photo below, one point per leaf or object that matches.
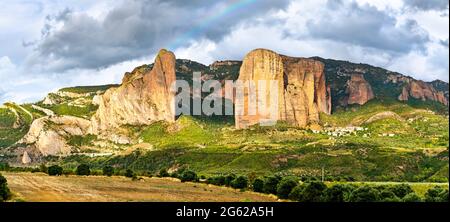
(235, 6)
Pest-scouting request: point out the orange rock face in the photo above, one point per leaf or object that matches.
(359, 90)
(302, 92)
(404, 95)
(423, 91)
(143, 97)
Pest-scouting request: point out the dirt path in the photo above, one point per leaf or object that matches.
(39, 187)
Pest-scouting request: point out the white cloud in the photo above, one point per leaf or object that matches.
(19, 86)
(434, 65)
(285, 31)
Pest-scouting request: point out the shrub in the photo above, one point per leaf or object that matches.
(365, 194)
(173, 175)
(218, 181)
(309, 192)
(285, 187)
(388, 196)
(251, 177)
(436, 194)
(228, 179)
(189, 175)
(83, 170)
(240, 182)
(129, 173)
(296, 193)
(401, 190)
(4, 190)
(270, 184)
(55, 170)
(43, 168)
(411, 197)
(4, 167)
(338, 193)
(163, 173)
(108, 170)
(258, 185)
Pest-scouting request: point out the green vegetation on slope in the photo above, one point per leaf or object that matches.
(15, 121)
(87, 89)
(79, 111)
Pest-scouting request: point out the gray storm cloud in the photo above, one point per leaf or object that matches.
(135, 29)
(427, 4)
(366, 26)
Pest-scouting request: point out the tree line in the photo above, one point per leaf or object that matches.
(302, 189)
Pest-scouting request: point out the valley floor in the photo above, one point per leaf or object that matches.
(38, 187)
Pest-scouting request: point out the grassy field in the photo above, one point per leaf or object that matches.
(417, 151)
(38, 187)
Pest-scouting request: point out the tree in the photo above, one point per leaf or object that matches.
(258, 185)
(228, 179)
(436, 194)
(401, 190)
(270, 184)
(4, 190)
(83, 170)
(218, 181)
(129, 173)
(189, 175)
(240, 182)
(296, 193)
(251, 177)
(55, 170)
(365, 194)
(4, 166)
(285, 187)
(338, 193)
(309, 192)
(387, 195)
(43, 168)
(163, 173)
(412, 197)
(108, 170)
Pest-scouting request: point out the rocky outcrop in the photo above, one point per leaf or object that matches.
(26, 158)
(359, 90)
(411, 88)
(423, 91)
(143, 97)
(48, 134)
(302, 92)
(217, 64)
(404, 96)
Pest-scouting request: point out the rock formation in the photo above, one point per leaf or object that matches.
(434, 91)
(359, 90)
(143, 97)
(26, 158)
(404, 96)
(423, 91)
(48, 134)
(302, 92)
(217, 64)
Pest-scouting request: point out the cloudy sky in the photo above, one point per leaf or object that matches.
(49, 44)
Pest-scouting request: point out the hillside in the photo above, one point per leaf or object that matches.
(373, 133)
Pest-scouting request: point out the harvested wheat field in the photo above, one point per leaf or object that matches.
(39, 187)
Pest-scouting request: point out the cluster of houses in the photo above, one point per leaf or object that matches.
(343, 131)
(348, 131)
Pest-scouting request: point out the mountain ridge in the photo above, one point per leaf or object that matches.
(358, 123)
